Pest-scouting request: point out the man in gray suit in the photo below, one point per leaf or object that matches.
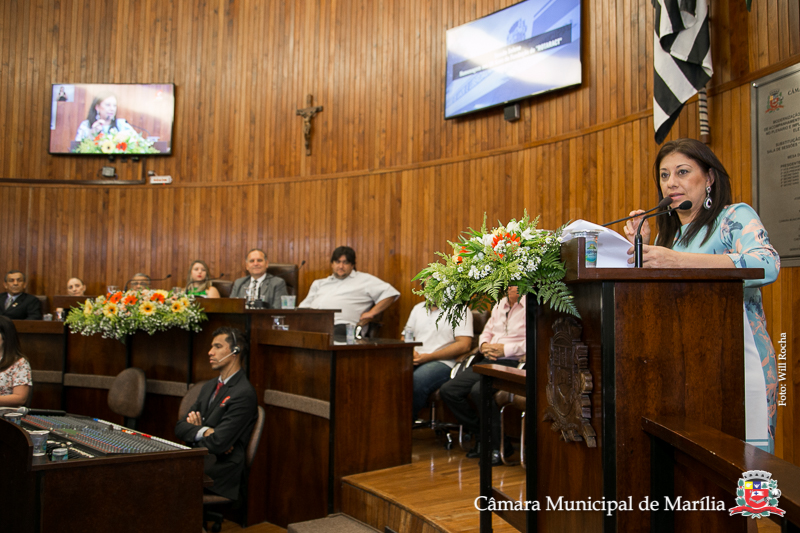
(267, 287)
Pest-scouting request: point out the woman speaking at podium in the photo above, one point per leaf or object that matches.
(102, 118)
(716, 233)
(15, 371)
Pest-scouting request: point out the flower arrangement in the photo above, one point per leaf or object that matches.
(484, 264)
(116, 142)
(123, 313)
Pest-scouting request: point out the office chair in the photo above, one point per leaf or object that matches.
(127, 394)
(214, 499)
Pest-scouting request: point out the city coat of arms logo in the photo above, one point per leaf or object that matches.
(775, 101)
(757, 495)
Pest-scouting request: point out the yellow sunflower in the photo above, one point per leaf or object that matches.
(110, 310)
(177, 307)
(162, 292)
(107, 147)
(147, 308)
(184, 301)
(87, 309)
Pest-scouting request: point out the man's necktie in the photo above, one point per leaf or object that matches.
(219, 386)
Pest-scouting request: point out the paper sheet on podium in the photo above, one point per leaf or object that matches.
(612, 248)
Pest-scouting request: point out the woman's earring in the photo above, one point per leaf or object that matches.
(707, 202)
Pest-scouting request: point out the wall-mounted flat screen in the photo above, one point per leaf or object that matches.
(112, 119)
(525, 49)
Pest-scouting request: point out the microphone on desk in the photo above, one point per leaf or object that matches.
(637, 242)
(663, 203)
(301, 264)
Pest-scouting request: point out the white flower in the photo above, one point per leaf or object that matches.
(480, 256)
(527, 235)
(487, 239)
(512, 226)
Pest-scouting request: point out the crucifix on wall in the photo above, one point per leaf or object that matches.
(308, 113)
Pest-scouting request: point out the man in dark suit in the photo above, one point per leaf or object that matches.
(267, 287)
(15, 303)
(224, 414)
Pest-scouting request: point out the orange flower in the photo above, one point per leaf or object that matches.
(130, 299)
(116, 297)
(122, 146)
(156, 297)
(99, 135)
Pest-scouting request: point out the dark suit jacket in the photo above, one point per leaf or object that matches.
(270, 291)
(25, 307)
(232, 414)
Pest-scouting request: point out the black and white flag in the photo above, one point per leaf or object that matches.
(681, 58)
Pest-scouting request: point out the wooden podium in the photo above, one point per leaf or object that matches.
(649, 342)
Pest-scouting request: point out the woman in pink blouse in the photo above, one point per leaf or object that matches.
(15, 371)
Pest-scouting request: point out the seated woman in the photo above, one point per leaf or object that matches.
(717, 233)
(15, 371)
(76, 287)
(102, 118)
(198, 283)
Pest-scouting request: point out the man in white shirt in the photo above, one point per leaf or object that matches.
(501, 343)
(360, 296)
(266, 288)
(441, 345)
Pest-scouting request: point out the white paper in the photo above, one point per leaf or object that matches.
(612, 248)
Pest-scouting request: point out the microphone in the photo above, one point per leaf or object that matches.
(301, 264)
(637, 245)
(663, 203)
(235, 350)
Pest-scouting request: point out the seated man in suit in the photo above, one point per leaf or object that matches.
(267, 288)
(361, 297)
(224, 414)
(501, 343)
(15, 303)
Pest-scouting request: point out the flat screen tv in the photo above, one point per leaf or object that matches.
(112, 119)
(529, 48)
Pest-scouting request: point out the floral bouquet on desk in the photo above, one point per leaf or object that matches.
(485, 263)
(116, 142)
(117, 315)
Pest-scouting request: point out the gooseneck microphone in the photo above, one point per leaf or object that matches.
(663, 203)
(637, 243)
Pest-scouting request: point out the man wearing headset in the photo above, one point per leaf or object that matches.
(224, 414)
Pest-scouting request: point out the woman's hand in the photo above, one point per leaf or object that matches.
(633, 224)
(657, 257)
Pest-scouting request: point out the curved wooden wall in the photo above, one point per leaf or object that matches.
(387, 174)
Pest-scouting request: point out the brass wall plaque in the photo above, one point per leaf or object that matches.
(569, 384)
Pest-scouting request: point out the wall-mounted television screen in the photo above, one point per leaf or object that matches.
(112, 119)
(525, 49)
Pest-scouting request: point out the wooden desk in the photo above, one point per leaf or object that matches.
(160, 492)
(333, 410)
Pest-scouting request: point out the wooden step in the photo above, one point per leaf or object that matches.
(335, 523)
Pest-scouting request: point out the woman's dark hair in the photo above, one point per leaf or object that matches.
(91, 116)
(345, 251)
(11, 352)
(203, 286)
(670, 226)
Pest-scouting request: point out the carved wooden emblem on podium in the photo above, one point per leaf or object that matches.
(569, 384)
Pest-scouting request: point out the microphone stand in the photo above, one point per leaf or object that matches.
(663, 203)
(637, 241)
